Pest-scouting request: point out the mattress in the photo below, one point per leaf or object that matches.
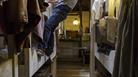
(106, 60)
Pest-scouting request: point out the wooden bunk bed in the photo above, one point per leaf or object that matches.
(10, 66)
(33, 62)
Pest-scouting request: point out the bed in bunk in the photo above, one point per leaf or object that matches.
(33, 62)
(105, 38)
(105, 63)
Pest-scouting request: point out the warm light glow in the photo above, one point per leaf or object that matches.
(75, 22)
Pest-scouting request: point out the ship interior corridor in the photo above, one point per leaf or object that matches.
(97, 38)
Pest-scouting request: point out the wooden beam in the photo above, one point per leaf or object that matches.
(13, 54)
(92, 43)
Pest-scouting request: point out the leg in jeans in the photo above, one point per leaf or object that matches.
(50, 44)
(59, 14)
(51, 41)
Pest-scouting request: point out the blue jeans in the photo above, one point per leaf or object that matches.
(59, 13)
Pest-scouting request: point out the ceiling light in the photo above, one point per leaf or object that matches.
(76, 21)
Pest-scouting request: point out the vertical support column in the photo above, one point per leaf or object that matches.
(27, 62)
(92, 45)
(54, 64)
(15, 65)
(27, 54)
(54, 67)
(13, 54)
(92, 52)
(81, 25)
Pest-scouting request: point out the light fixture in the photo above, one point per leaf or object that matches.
(75, 21)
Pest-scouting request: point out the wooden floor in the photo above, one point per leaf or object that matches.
(69, 64)
(70, 69)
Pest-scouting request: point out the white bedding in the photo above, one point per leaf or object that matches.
(107, 61)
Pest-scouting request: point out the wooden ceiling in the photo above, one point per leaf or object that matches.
(82, 4)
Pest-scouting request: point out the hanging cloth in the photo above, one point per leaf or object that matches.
(135, 16)
(16, 11)
(117, 5)
(98, 8)
(33, 7)
(16, 15)
(39, 29)
(34, 16)
(126, 64)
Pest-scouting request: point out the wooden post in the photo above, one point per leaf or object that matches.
(54, 67)
(27, 54)
(27, 62)
(92, 45)
(54, 64)
(13, 54)
(81, 24)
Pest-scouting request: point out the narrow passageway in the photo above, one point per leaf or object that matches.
(69, 64)
(68, 38)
